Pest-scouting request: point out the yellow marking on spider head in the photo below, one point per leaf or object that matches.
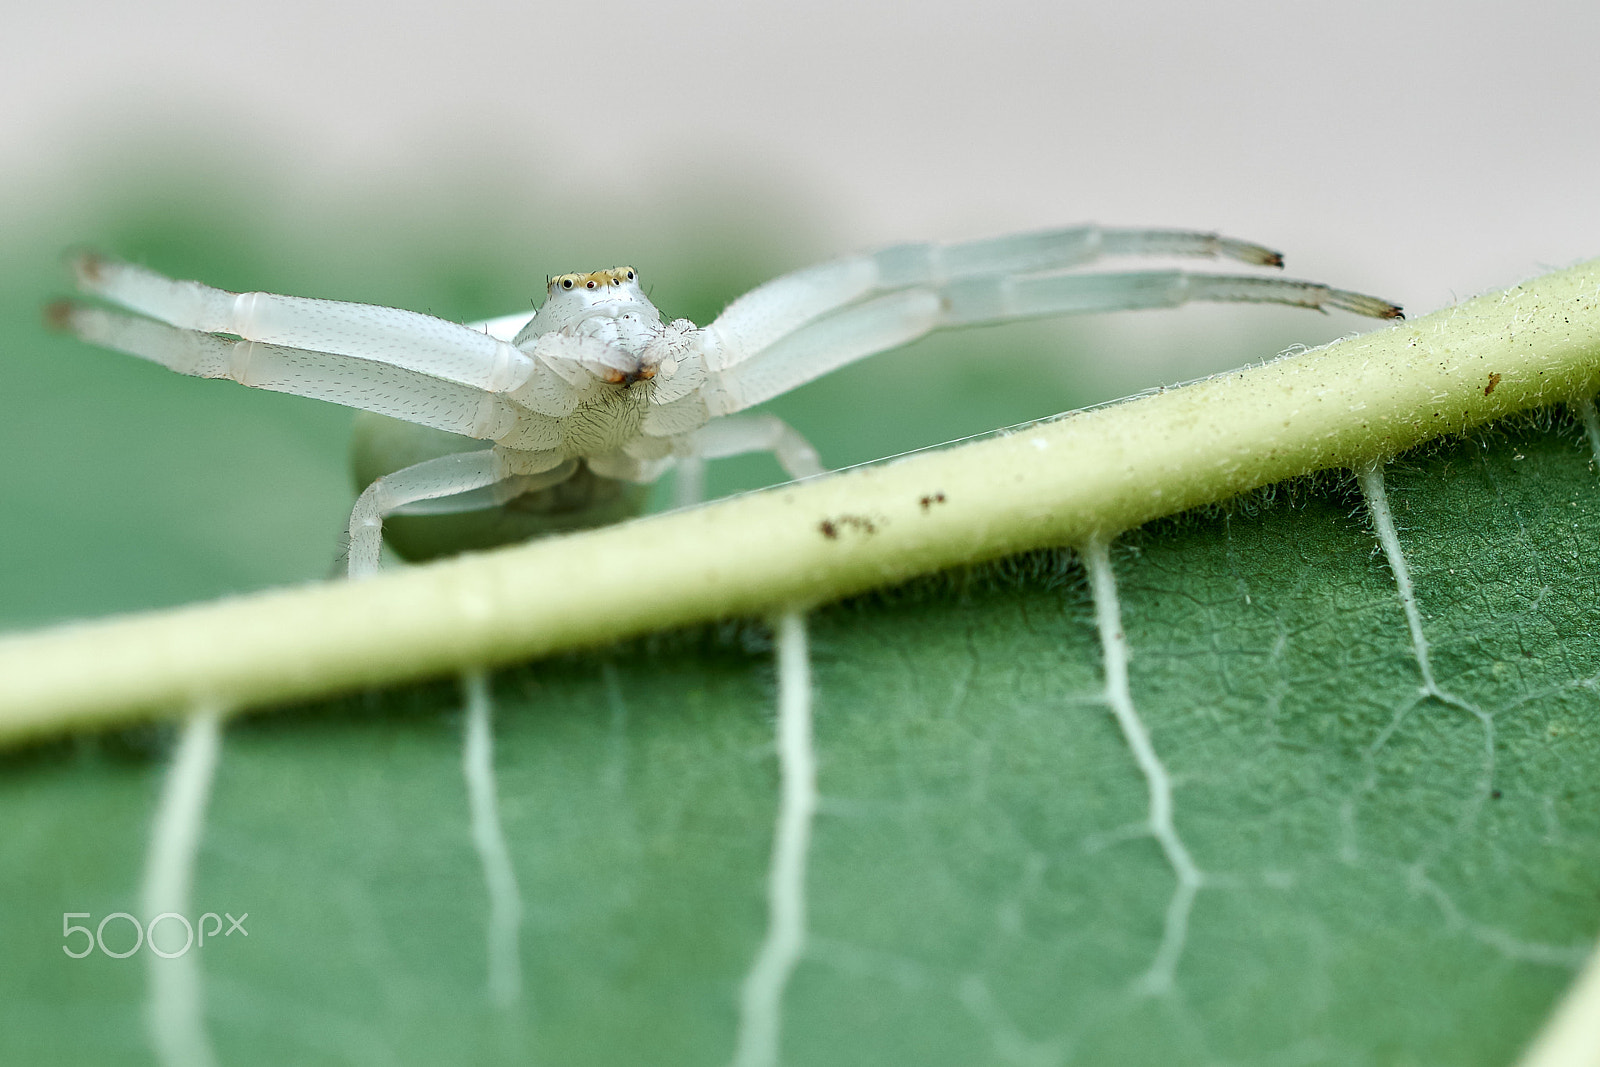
(599, 279)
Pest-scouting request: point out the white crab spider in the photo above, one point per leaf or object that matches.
(594, 393)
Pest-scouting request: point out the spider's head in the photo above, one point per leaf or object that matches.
(572, 298)
(608, 306)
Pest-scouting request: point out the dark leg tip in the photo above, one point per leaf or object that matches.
(58, 315)
(89, 268)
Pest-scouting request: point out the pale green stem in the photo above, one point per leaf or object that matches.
(1571, 1037)
(1091, 474)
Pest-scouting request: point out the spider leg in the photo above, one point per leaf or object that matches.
(890, 321)
(490, 496)
(771, 311)
(347, 380)
(688, 481)
(481, 499)
(503, 327)
(464, 475)
(756, 433)
(406, 339)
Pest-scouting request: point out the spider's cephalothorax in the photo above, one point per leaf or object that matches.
(594, 396)
(607, 305)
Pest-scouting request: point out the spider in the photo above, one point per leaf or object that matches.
(593, 396)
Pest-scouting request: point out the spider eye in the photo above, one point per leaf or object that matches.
(630, 275)
(591, 283)
(566, 283)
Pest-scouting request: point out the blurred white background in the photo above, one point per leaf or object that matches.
(1421, 151)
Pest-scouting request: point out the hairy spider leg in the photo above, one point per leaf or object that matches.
(458, 475)
(406, 339)
(471, 481)
(898, 318)
(341, 379)
(739, 435)
(540, 377)
(503, 327)
(771, 311)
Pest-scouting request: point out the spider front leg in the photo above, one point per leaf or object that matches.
(359, 383)
(400, 338)
(777, 308)
(886, 322)
(803, 325)
(458, 475)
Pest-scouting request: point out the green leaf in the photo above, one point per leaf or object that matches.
(1376, 891)
(1386, 881)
